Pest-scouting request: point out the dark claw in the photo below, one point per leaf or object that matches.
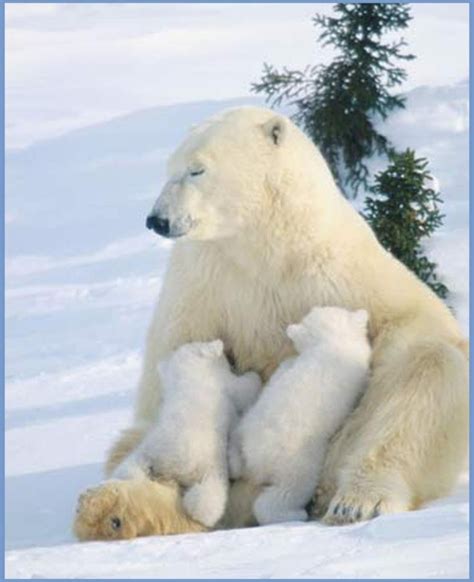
(376, 511)
(359, 513)
(336, 509)
(311, 505)
(345, 511)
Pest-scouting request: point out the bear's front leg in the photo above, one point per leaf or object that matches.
(125, 509)
(406, 442)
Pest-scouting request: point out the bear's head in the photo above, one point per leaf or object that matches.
(231, 173)
(329, 324)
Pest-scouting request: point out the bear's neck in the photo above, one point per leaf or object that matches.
(292, 239)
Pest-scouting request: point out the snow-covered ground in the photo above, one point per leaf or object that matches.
(82, 276)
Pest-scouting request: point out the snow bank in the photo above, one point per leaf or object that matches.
(431, 543)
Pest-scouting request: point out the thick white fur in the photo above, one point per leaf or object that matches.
(202, 401)
(282, 440)
(270, 237)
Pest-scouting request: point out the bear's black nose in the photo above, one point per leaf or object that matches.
(159, 225)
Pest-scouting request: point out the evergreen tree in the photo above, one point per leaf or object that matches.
(338, 104)
(403, 211)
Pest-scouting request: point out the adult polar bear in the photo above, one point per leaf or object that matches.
(263, 236)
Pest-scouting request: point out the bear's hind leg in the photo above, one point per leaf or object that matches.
(368, 496)
(406, 442)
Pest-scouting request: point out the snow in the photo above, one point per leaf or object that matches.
(400, 546)
(82, 278)
(71, 65)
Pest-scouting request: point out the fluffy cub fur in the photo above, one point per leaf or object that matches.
(281, 441)
(201, 402)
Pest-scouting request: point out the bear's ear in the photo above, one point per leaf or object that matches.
(275, 130)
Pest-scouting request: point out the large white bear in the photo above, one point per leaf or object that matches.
(263, 235)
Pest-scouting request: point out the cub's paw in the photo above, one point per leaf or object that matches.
(103, 513)
(346, 508)
(202, 508)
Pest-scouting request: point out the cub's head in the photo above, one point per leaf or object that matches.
(328, 324)
(208, 350)
(219, 177)
(192, 353)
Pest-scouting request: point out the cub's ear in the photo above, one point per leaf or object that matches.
(294, 330)
(361, 316)
(215, 348)
(275, 129)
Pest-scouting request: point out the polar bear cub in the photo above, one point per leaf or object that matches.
(202, 401)
(281, 441)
